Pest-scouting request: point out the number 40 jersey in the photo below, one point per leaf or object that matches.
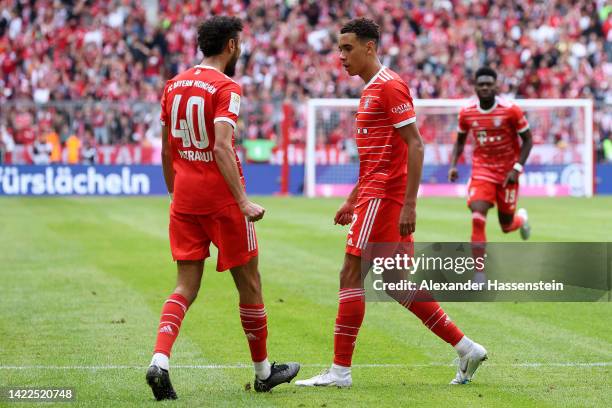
(191, 104)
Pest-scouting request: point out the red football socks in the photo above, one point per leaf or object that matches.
(433, 316)
(255, 325)
(479, 222)
(517, 222)
(173, 312)
(479, 237)
(351, 309)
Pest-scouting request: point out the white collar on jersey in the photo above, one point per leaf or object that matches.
(213, 68)
(491, 109)
(207, 67)
(375, 76)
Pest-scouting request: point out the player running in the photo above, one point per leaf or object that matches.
(382, 206)
(199, 111)
(497, 162)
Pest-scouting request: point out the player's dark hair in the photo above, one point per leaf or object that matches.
(214, 33)
(363, 28)
(485, 71)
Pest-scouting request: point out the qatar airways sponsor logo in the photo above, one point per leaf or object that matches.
(402, 108)
(62, 181)
(196, 155)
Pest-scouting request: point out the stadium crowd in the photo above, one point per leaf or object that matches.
(64, 56)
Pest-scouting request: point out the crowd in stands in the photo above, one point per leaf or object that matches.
(66, 56)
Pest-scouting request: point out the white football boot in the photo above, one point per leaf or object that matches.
(526, 228)
(469, 363)
(328, 378)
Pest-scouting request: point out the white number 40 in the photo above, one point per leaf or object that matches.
(186, 129)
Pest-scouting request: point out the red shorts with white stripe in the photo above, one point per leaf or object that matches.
(494, 193)
(227, 229)
(376, 220)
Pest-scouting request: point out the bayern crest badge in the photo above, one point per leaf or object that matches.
(497, 122)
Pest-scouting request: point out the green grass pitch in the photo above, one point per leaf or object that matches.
(82, 281)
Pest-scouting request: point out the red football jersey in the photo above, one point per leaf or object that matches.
(496, 141)
(191, 104)
(385, 105)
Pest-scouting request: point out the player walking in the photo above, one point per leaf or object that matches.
(497, 162)
(199, 111)
(382, 206)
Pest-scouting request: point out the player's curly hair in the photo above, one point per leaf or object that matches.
(488, 71)
(214, 33)
(363, 28)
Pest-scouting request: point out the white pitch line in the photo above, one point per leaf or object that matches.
(239, 366)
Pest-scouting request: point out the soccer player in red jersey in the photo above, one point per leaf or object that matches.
(498, 160)
(382, 206)
(199, 111)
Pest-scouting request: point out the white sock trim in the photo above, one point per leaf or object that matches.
(464, 346)
(262, 369)
(161, 360)
(340, 371)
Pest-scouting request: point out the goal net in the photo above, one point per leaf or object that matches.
(560, 163)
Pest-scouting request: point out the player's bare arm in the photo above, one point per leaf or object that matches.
(166, 156)
(526, 146)
(453, 173)
(226, 160)
(411, 136)
(344, 215)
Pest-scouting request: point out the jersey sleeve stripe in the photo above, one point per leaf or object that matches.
(405, 122)
(524, 128)
(225, 119)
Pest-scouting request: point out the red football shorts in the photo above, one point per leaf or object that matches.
(377, 220)
(494, 193)
(228, 229)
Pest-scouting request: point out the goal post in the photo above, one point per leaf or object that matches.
(561, 162)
